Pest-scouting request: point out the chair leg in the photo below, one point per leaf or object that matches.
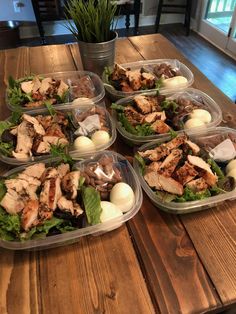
(187, 21)
(38, 21)
(137, 5)
(158, 17)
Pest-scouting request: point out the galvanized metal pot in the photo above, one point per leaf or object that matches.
(96, 56)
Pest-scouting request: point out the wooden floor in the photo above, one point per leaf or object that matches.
(217, 66)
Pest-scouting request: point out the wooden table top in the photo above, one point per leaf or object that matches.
(157, 262)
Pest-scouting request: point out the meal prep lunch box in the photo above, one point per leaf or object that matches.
(128, 175)
(149, 65)
(196, 95)
(74, 112)
(210, 138)
(85, 86)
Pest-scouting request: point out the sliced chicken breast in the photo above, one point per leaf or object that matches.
(12, 202)
(37, 126)
(29, 217)
(35, 171)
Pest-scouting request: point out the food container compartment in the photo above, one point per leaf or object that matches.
(74, 111)
(85, 85)
(208, 138)
(128, 176)
(149, 65)
(208, 104)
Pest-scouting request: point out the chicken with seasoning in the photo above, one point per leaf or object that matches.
(182, 169)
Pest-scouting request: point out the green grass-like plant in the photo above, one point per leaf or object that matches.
(93, 20)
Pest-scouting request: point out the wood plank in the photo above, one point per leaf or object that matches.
(217, 262)
(159, 47)
(213, 233)
(177, 279)
(97, 275)
(47, 59)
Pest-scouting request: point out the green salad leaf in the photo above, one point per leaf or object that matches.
(190, 195)
(165, 196)
(16, 116)
(144, 129)
(159, 83)
(124, 121)
(173, 134)
(169, 105)
(3, 189)
(92, 205)
(141, 162)
(50, 108)
(6, 148)
(118, 107)
(140, 130)
(4, 125)
(9, 226)
(59, 151)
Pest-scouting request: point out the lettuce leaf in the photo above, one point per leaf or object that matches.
(190, 195)
(9, 225)
(92, 205)
(141, 162)
(4, 125)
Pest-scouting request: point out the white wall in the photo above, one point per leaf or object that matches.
(7, 12)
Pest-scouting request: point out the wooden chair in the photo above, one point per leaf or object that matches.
(127, 8)
(174, 9)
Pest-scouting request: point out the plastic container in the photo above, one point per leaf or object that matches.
(210, 136)
(148, 65)
(92, 88)
(74, 110)
(129, 176)
(209, 104)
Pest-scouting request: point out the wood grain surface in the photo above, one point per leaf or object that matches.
(157, 263)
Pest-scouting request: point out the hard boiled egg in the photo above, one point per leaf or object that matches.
(122, 196)
(231, 166)
(175, 81)
(201, 114)
(232, 173)
(100, 138)
(192, 123)
(83, 144)
(109, 211)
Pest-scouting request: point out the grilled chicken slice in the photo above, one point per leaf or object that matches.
(125, 87)
(70, 183)
(63, 87)
(171, 161)
(35, 171)
(45, 121)
(143, 104)
(27, 87)
(160, 127)
(36, 84)
(154, 166)
(51, 193)
(206, 172)
(37, 126)
(194, 147)
(155, 154)
(133, 116)
(152, 117)
(176, 142)
(63, 169)
(160, 182)
(24, 140)
(186, 173)
(29, 217)
(69, 206)
(197, 185)
(12, 202)
(118, 72)
(45, 85)
(134, 78)
(148, 80)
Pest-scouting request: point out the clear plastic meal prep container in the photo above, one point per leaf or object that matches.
(69, 77)
(74, 110)
(149, 65)
(129, 176)
(209, 135)
(209, 104)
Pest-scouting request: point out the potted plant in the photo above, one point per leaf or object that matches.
(92, 22)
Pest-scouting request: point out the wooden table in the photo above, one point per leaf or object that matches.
(155, 263)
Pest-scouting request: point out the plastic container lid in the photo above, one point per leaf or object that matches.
(209, 104)
(129, 176)
(210, 136)
(75, 110)
(91, 90)
(149, 65)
